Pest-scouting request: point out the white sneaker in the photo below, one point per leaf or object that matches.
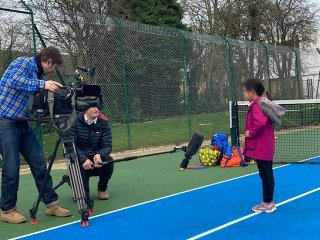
(265, 207)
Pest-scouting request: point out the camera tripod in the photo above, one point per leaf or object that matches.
(74, 180)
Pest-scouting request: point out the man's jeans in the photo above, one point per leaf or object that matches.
(17, 137)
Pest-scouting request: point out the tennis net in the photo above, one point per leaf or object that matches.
(298, 137)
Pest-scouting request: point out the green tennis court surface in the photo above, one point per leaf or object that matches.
(215, 211)
(133, 182)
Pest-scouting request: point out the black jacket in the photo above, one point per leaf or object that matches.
(91, 139)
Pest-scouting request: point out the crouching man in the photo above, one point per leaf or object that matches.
(93, 141)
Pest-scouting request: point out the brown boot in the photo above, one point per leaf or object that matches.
(57, 210)
(13, 217)
(103, 195)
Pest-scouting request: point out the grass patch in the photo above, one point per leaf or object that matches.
(153, 133)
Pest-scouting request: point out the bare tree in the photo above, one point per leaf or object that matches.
(290, 22)
(15, 37)
(273, 21)
(83, 30)
(203, 15)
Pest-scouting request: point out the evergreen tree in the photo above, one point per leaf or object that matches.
(167, 13)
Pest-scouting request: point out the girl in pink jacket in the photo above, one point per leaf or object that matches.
(260, 141)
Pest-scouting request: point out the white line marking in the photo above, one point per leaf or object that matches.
(249, 216)
(139, 204)
(136, 205)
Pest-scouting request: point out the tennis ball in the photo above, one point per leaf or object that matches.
(208, 156)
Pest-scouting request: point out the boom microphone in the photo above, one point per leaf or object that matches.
(191, 149)
(89, 70)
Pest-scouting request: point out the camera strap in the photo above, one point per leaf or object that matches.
(70, 120)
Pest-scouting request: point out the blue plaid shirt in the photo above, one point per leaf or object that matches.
(17, 82)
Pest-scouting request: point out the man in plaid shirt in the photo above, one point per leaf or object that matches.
(23, 77)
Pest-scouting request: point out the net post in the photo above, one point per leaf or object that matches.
(233, 123)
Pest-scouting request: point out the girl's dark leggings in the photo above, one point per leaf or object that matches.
(267, 178)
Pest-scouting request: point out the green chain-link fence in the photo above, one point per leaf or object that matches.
(159, 84)
(16, 36)
(310, 71)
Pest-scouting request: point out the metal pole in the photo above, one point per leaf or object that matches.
(268, 69)
(185, 75)
(297, 70)
(124, 78)
(231, 83)
(32, 26)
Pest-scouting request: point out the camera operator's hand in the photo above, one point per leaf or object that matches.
(97, 161)
(87, 165)
(52, 85)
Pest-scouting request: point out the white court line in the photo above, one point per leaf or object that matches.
(139, 204)
(136, 205)
(249, 216)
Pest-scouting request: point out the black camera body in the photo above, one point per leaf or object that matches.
(40, 105)
(63, 103)
(86, 96)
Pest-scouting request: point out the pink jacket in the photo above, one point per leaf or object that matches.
(261, 143)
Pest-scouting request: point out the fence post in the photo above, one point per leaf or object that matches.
(231, 83)
(32, 26)
(231, 68)
(38, 126)
(124, 78)
(317, 94)
(268, 69)
(297, 72)
(185, 76)
(35, 32)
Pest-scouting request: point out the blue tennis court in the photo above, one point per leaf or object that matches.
(217, 211)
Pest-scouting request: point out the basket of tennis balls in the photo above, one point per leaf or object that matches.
(208, 156)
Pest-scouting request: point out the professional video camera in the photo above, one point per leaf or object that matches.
(61, 106)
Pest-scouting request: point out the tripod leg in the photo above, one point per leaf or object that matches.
(77, 185)
(34, 209)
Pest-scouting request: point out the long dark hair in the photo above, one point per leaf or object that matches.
(256, 85)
